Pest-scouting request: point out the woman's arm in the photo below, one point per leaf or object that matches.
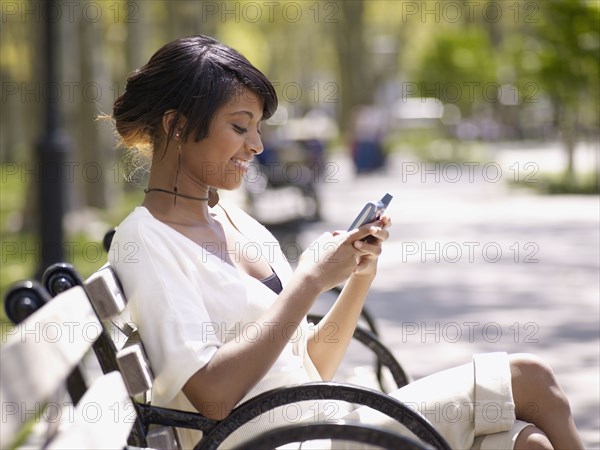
(237, 366)
(327, 354)
(338, 325)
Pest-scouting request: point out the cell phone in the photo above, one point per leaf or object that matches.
(371, 212)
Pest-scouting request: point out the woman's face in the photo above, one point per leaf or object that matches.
(222, 158)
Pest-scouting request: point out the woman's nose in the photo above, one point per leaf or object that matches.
(254, 143)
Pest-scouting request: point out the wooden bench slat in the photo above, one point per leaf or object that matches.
(103, 418)
(53, 339)
(105, 293)
(135, 369)
(39, 354)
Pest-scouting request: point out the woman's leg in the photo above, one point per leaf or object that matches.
(541, 401)
(464, 403)
(532, 438)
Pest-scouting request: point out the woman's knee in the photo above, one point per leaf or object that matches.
(535, 388)
(530, 367)
(532, 438)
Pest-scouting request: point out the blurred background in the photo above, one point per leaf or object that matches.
(478, 114)
(443, 81)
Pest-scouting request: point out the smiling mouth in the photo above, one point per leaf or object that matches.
(242, 164)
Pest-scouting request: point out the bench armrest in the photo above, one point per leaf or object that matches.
(323, 391)
(348, 432)
(217, 432)
(383, 354)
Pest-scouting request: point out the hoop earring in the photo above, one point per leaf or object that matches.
(177, 175)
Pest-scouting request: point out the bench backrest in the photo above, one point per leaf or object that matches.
(37, 358)
(105, 294)
(119, 347)
(107, 297)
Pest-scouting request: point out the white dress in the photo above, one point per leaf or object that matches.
(187, 302)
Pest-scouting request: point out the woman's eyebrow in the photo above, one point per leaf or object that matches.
(248, 113)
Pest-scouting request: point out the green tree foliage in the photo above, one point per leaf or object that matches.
(565, 47)
(537, 59)
(458, 67)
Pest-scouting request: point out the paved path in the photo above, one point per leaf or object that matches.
(475, 266)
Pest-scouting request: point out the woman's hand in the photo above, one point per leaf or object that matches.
(327, 354)
(370, 248)
(328, 261)
(333, 257)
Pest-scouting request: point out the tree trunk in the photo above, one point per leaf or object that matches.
(11, 111)
(135, 44)
(190, 18)
(354, 60)
(32, 108)
(567, 132)
(94, 145)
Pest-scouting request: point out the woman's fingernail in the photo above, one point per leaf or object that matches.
(358, 244)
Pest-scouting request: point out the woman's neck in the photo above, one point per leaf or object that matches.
(182, 211)
(184, 204)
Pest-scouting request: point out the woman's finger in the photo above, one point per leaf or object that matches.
(377, 234)
(368, 248)
(386, 221)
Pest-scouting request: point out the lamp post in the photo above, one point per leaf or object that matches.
(52, 148)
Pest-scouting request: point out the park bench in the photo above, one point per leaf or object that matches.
(41, 359)
(153, 424)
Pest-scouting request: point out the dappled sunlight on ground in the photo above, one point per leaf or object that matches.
(476, 265)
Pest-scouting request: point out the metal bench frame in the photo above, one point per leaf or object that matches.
(105, 294)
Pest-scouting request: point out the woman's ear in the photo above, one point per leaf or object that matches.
(170, 119)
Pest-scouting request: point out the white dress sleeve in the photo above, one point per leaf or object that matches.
(165, 305)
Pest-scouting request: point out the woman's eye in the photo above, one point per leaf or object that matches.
(239, 129)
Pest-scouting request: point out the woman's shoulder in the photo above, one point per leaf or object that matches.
(137, 223)
(141, 238)
(142, 232)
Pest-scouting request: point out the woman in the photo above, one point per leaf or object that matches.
(220, 311)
